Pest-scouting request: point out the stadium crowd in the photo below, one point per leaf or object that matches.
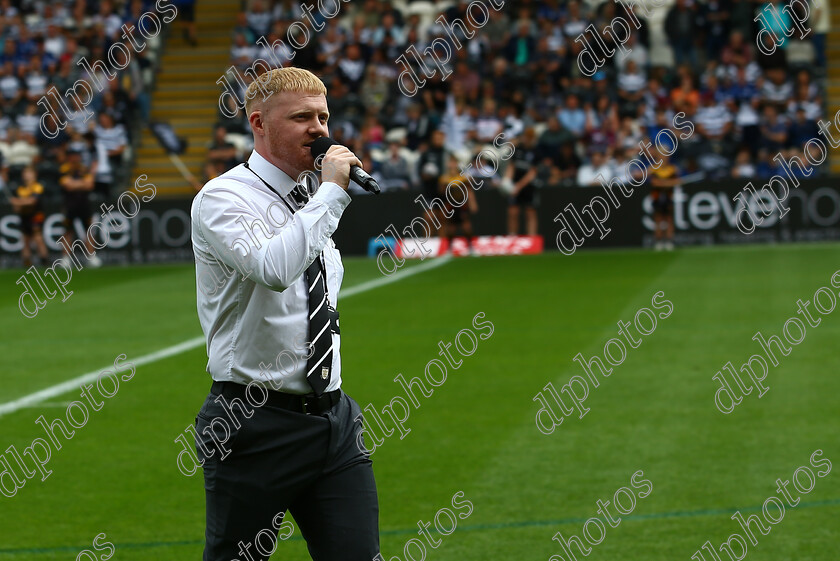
(517, 76)
(41, 44)
(519, 73)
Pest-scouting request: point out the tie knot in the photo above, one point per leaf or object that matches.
(300, 194)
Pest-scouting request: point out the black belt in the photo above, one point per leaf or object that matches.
(308, 404)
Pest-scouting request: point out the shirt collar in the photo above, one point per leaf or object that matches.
(271, 173)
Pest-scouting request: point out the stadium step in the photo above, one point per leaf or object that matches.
(186, 96)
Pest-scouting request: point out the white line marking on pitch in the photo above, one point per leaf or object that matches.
(64, 387)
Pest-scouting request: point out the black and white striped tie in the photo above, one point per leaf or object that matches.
(320, 335)
(319, 364)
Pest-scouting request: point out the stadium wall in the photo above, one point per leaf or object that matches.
(704, 214)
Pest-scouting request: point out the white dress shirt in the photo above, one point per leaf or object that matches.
(257, 328)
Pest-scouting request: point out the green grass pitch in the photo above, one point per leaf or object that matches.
(477, 432)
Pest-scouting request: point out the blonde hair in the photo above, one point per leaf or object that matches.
(280, 80)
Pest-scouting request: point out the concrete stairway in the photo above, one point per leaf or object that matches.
(833, 101)
(187, 96)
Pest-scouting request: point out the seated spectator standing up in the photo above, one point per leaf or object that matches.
(27, 204)
(680, 27)
(76, 183)
(113, 138)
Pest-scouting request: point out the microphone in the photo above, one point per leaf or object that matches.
(320, 146)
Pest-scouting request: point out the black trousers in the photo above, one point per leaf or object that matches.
(278, 460)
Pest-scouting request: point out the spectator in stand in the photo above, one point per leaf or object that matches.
(713, 120)
(521, 47)
(54, 42)
(33, 79)
(567, 165)
(522, 173)
(388, 35)
(244, 29)
(801, 129)
(19, 151)
(631, 88)
(430, 166)
(221, 155)
(629, 134)
(738, 52)
(375, 91)
(242, 54)
(637, 52)
(27, 204)
(553, 138)
(487, 123)
(259, 19)
(394, 169)
(467, 79)
(773, 129)
(821, 21)
(574, 23)
(598, 166)
(79, 117)
(765, 167)
(685, 98)
(715, 16)
(741, 17)
(457, 122)
(681, 30)
(11, 88)
(418, 127)
(30, 121)
(351, 67)
(744, 167)
(113, 138)
(776, 88)
(572, 117)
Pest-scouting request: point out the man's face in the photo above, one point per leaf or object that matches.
(289, 122)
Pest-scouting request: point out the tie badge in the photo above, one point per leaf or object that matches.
(324, 373)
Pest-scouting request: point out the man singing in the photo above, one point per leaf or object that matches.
(273, 321)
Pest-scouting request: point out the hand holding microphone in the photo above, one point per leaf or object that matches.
(341, 165)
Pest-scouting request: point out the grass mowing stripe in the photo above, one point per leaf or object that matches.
(473, 528)
(64, 387)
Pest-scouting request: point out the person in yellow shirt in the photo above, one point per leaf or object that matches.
(27, 204)
(662, 181)
(458, 188)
